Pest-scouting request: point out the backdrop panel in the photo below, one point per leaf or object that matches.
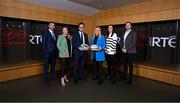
(158, 43)
(162, 42)
(20, 40)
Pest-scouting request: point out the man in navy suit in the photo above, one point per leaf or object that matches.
(79, 55)
(49, 46)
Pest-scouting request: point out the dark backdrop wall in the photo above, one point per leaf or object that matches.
(165, 53)
(178, 45)
(20, 40)
(157, 42)
(0, 45)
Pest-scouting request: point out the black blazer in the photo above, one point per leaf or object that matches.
(76, 42)
(130, 43)
(48, 42)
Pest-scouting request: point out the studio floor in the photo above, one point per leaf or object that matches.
(34, 89)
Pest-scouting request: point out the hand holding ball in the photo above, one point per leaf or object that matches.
(95, 48)
(84, 47)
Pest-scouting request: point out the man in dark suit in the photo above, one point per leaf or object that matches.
(79, 55)
(49, 46)
(128, 44)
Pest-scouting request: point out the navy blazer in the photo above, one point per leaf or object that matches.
(76, 42)
(48, 42)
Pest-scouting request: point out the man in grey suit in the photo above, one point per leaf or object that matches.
(128, 44)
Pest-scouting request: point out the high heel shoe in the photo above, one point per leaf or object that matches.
(62, 82)
(65, 78)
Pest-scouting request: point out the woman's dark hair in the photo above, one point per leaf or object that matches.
(107, 33)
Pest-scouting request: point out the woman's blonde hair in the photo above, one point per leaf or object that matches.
(99, 35)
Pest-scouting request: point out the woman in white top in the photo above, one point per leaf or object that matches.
(111, 43)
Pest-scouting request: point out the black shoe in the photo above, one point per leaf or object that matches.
(94, 78)
(113, 81)
(83, 79)
(45, 78)
(122, 79)
(100, 82)
(47, 81)
(108, 78)
(54, 79)
(75, 81)
(129, 82)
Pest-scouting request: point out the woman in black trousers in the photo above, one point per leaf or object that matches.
(111, 42)
(64, 46)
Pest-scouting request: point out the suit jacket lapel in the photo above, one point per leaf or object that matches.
(51, 35)
(129, 34)
(79, 36)
(126, 37)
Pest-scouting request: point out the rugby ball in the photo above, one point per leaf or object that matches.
(84, 47)
(95, 48)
